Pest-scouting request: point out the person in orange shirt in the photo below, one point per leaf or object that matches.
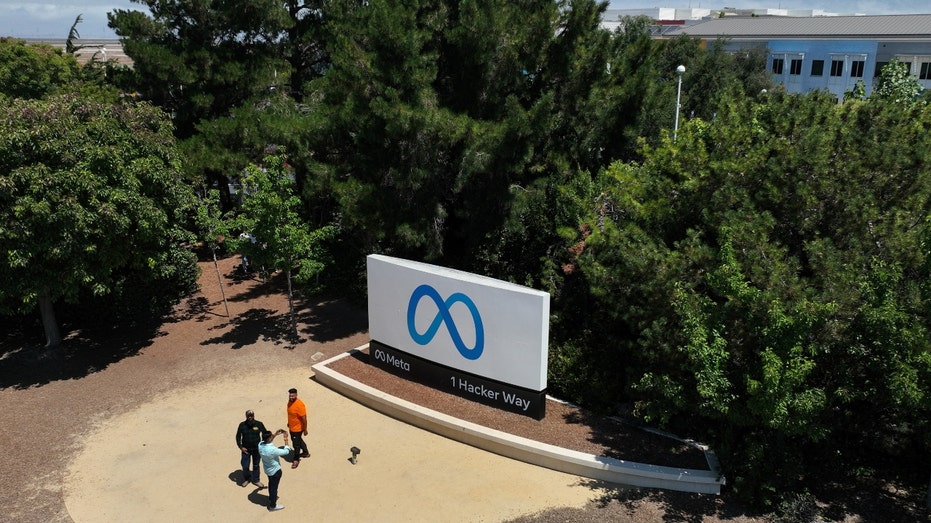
(297, 425)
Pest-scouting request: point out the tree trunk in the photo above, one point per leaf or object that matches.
(928, 497)
(47, 310)
(291, 304)
(220, 281)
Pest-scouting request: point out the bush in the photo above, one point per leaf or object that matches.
(798, 508)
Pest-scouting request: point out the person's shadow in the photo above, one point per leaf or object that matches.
(258, 498)
(255, 493)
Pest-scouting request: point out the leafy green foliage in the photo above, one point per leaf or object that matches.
(212, 227)
(752, 269)
(91, 199)
(34, 70)
(270, 213)
(212, 230)
(895, 84)
(800, 508)
(232, 75)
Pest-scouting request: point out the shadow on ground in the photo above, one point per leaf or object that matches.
(877, 497)
(319, 318)
(86, 348)
(876, 487)
(619, 442)
(320, 321)
(262, 287)
(327, 319)
(633, 505)
(93, 343)
(256, 325)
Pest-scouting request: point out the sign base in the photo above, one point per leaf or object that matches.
(488, 392)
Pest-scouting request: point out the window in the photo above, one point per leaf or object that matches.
(837, 67)
(925, 72)
(817, 67)
(777, 65)
(795, 67)
(879, 68)
(856, 69)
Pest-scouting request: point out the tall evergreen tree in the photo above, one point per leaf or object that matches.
(198, 59)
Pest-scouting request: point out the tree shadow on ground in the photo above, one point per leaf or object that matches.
(876, 497)
(250, 327)
(683, 507)
(632, 504)
(328, 319)
(274, 284)
(323, 320)
(627, 441)
(87, 347)
(876, 487)
(196, 308)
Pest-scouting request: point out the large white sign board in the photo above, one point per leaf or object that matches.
(476, 324)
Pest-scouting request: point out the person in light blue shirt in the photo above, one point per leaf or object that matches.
(270, 455)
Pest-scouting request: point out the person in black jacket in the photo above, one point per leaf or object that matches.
(248, 436)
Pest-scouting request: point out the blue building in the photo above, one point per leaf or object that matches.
(826, 52)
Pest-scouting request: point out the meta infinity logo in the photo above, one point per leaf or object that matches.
(443, 316)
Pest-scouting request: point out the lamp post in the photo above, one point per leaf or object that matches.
(675, 129)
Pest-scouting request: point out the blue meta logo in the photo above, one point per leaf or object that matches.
(443, 316)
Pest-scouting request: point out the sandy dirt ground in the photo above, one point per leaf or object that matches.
(178, 468)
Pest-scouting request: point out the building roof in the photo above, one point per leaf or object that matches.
(91, 49)
(885, 27)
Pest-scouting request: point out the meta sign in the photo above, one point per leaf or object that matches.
(465, 334)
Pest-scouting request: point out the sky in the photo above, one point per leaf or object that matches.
(53, 18)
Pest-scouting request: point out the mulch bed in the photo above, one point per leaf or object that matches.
(564, 425)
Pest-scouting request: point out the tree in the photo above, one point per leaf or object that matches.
(224, 146)
(73, 34)
(896, 84)
(270, 212)
(434, 111)
(91, 199)
(220, 67)
(35, 70)
(198, 59)
(212, 229)
(759, 290)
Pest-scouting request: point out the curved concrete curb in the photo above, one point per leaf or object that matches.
(522, 449)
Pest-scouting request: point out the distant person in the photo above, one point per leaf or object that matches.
(246, 264)
(297, 424)
(248, 436)
(270, 454)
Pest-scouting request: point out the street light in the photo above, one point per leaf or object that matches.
(675, 130)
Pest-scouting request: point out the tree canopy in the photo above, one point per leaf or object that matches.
(766, 280)
(275, 235)
(34, 70)
(91, 201)
(199, 59)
